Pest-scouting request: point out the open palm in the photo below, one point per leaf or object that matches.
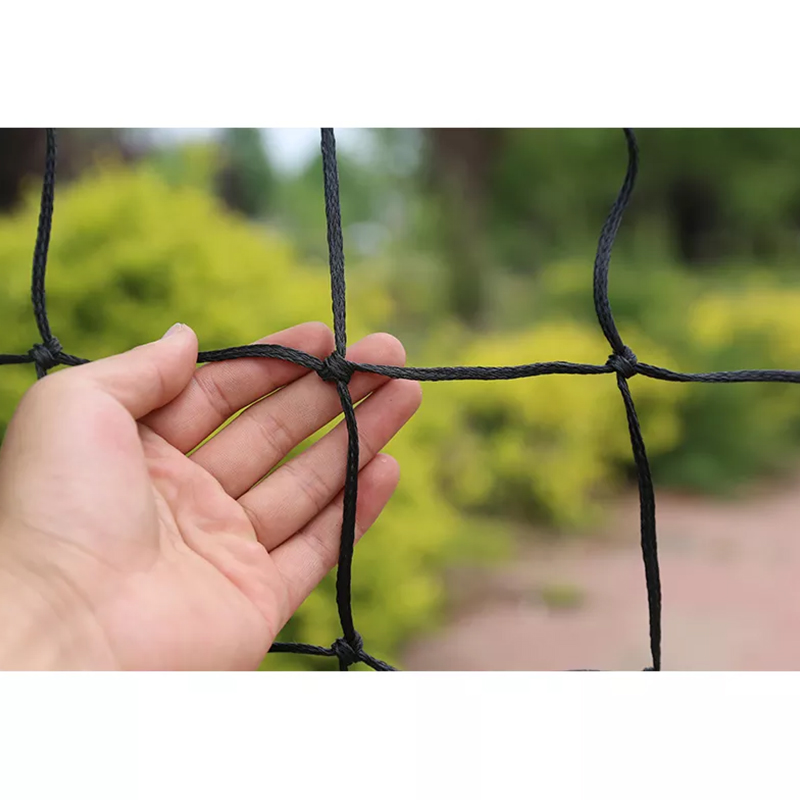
(140, 543)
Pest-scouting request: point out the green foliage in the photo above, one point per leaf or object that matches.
(704, 196)
(711, 201)
(736, 432)
(730, 433)
(554, 448)
(550, 447)
(550, 191)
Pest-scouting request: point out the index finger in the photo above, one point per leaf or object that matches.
(218, 390)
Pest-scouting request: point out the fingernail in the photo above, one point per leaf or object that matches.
(174, 329)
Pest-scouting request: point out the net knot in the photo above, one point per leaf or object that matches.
(348, 653)
(623, 362)
(47, 354)
(336, 368)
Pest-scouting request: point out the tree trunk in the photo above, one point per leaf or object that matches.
(459, 170)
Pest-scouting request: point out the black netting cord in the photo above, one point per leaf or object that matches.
(349, 648)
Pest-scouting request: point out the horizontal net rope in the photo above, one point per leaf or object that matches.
(337, 369)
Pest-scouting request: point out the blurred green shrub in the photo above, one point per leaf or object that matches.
(551, 447)
(736, 432)
(742, 319)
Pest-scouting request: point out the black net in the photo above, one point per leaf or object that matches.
(337, 369)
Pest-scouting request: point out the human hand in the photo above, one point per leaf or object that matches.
(120, 551)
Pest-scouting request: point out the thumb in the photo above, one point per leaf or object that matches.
(147, 377)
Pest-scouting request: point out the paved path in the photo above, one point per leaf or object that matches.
(731, 586)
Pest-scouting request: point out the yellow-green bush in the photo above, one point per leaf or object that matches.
(757, 314)
(549, 446)
(734, 432)
(737, 319)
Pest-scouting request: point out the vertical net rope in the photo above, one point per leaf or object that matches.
(337, 369)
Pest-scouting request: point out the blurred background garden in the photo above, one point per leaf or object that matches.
(516, 513)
